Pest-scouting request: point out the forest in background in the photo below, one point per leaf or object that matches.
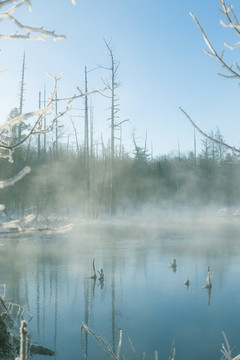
(66, 179)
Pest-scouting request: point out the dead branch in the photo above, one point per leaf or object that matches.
(12, 181)
(102, 341)
(42, 113)
(71, 98)
(213, 53)
(27, 32)
(221, 143)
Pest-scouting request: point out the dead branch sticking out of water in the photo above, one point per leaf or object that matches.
(101, 275)
(226, 350)
(23, 355)
(94, 276)
(102, 341)
(208, 284)
(104, 344)
(173, 265)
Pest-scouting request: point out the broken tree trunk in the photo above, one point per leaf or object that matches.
(9, 343)
(7, 350)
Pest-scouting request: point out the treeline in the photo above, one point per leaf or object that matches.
(63, 180)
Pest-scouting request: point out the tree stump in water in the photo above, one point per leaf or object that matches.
(9, 343)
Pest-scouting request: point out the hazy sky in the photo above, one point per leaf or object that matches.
(162, 67)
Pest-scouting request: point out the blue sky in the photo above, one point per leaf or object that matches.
(162, 67)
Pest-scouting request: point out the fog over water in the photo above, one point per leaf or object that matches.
(103, 242)
(141, 294)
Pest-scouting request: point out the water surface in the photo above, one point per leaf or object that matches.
(141, 294)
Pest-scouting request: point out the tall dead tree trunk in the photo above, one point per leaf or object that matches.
(20, 198)
(39, 128)
(56, 124)
(44, 125)
(21, 96)
(112, 86)
(86, 145)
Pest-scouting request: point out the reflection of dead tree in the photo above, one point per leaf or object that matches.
(101, 278)
(94, 276)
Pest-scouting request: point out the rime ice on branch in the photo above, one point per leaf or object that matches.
(233, 70)
(26, 32)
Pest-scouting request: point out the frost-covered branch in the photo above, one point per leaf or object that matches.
(221, 143)
(13, 180)
(74, 97)
(26, 32)
(232, 22)
(23, 117)
(6, 135)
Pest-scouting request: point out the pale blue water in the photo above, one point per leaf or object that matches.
(141, 294)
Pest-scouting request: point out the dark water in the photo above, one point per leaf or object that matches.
(141, 294)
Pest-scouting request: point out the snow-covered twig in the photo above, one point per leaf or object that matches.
(13, 180)
(27, 32)
(232, 23)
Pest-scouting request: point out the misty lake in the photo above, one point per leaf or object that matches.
(141, 294)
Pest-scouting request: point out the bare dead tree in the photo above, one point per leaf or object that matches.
(232, 70)
(112, 85)
(86, 143)
(115, 124)
(8, 11)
